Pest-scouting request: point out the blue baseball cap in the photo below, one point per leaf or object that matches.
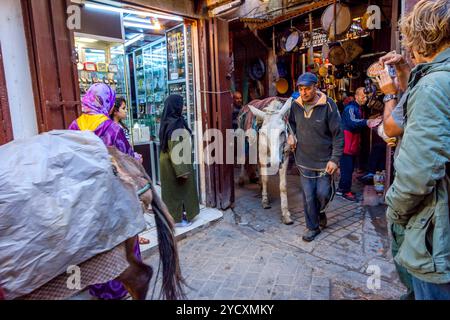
(307, 79)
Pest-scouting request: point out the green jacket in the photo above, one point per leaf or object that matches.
(418, 197)
(179, 194)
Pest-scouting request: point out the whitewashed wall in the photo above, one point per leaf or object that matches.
(17, 70)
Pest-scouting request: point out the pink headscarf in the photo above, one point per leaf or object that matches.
(99, 99)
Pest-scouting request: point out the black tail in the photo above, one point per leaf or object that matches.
(172, 282)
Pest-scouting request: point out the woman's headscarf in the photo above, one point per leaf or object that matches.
(99, 99)
(171, 119)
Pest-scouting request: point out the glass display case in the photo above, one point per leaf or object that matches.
(181, 77)
(176, 54)
(180, 68)
(117, 71)
(101, 62)
(151, 90)
(160, 68)
(150, 78)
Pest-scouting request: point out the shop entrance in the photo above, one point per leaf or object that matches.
(144, 56)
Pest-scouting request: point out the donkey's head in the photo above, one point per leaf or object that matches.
(273, 132)
(132, 174)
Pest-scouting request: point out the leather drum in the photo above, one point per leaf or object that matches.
(337, 54)
(343, 20)
(291, 40)
(352, 50)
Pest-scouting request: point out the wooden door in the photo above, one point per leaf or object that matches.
(6, 133)
(224, 110)
(52, 63)
(217, 106)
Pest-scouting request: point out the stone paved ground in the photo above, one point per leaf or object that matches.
(260, 258)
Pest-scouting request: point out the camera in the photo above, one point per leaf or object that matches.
(374, 101)
(391, 70)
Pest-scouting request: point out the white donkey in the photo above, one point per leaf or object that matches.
(273, 150)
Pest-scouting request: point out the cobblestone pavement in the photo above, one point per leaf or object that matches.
(260, 258)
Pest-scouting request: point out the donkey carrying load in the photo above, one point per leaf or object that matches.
(273, 149)
(70, 215)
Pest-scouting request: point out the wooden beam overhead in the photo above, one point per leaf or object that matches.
(295, 13)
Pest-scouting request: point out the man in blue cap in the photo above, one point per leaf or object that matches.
(318, 141)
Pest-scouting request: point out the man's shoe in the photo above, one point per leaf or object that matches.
(322, 220)
(350, 196)
(339, 192)
(310, 235)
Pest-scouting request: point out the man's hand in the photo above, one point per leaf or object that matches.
(331, 167)
(291, 142)
(372, 123)
(387, 84)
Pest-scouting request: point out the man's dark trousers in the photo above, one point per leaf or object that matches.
(317, 192)
(347, 165)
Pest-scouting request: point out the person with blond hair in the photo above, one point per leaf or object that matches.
(418, 199)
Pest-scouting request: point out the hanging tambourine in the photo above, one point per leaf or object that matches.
(291, 40)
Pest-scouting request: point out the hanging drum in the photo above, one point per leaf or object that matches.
(291, 40)
(337, 54)
(282, 86)
(343, 20)
(352, 50)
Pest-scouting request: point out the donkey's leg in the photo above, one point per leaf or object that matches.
(285, 214)
(242, 174)
(265, 196)
(136, 278)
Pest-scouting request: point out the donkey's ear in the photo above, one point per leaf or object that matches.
(258, 113)
(286, 107)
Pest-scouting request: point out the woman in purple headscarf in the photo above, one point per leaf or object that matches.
(96, 107)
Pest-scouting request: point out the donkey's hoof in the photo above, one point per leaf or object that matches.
(287, 220)
(266, 205)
